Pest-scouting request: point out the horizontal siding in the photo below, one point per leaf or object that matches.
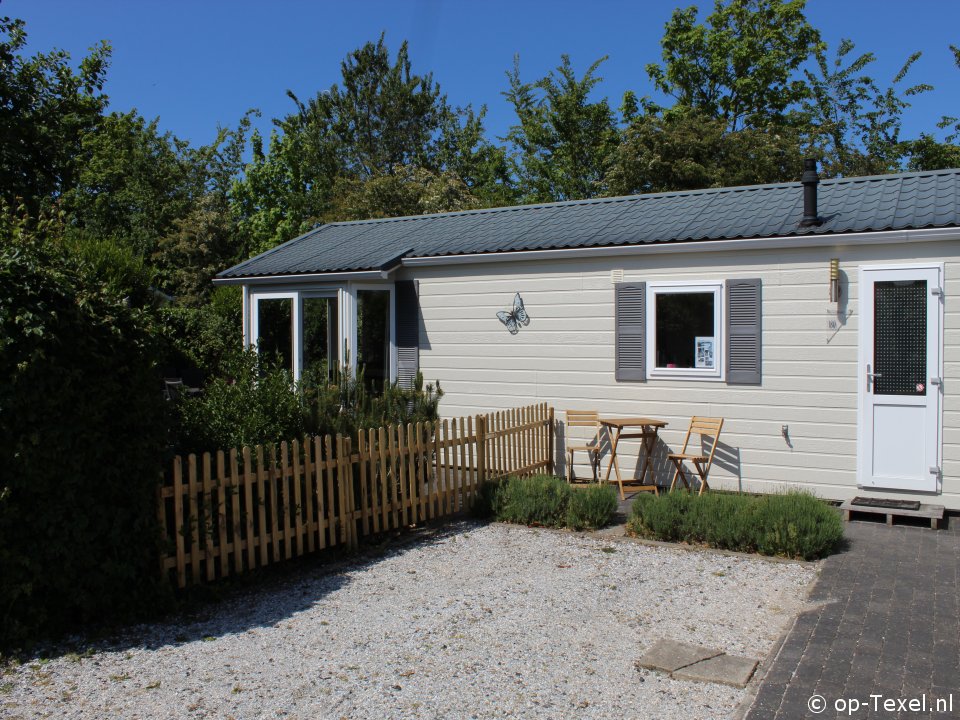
(565, 356)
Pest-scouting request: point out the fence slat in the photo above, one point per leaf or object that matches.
(319, 489)
(331, 489)
(342, 491)
(423, 472)
(194, 520)
(248, 478)
(208, 519)
(466, 451)
(297, 497)
(401, 445)
(386, 493)
(178, 528)
(272, 490)
(235, 507)
(262, 505)
(308, 496)
(346, 477)
(374, 492)
(448, 472)
(362, 460)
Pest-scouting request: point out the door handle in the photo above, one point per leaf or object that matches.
(871, 377)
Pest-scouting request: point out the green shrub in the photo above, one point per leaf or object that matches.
(794, 524)
(254, 401)
(545, 500)
(591, 507)
(82, 433)
(536, 500)
(662, 517)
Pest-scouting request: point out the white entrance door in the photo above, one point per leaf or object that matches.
(901, 311)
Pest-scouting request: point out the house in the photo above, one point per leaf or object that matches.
(812, 316)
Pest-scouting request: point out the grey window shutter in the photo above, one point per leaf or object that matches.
(631, 318)
(407, 318)
(743, 332)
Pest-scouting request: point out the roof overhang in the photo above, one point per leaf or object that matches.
(300, 277)
(884, 237)
(383, 272)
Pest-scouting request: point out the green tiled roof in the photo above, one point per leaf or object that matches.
(847, 205)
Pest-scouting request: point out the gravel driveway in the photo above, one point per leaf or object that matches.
(478, 621)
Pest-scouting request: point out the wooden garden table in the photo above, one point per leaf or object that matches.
(642, 428)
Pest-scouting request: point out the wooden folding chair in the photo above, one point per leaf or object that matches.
(704, 427)
(584, 418)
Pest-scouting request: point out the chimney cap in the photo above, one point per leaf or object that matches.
(810, 171)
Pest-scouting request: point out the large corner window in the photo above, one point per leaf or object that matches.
(313, 331)
(684, 327)
(373, 337)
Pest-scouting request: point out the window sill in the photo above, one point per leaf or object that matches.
(684, 374)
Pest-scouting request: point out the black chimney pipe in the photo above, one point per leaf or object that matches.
(810, 180)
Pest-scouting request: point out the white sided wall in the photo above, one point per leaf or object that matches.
(566, 357)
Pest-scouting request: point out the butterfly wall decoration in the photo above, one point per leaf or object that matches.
(516, 317)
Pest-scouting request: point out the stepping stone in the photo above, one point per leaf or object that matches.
(670, 655)
(723, 669)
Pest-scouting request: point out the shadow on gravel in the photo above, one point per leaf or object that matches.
(260, 600)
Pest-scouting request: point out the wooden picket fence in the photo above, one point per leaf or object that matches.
(231, 511)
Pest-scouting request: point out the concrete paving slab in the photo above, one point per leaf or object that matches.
(670, 655)
(723, 669)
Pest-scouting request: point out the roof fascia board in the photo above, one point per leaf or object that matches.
(324, 277)
(768, 243)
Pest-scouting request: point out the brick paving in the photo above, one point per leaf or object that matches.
(888, 623)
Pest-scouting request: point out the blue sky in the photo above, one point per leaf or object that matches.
(203, 63)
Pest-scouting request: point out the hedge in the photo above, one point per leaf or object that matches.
(794, 524)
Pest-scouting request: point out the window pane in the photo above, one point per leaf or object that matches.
(900, 337)
(685, 326)
(275, 330)
(320, 335)
(373, 336)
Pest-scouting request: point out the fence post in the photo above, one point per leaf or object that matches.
(551, 433)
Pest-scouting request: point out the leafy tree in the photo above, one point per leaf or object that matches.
(407, 191)
(683, 149)
(46, 109)
(854, 124)
(741, 65)
(133, 183)
(197, 247)
(562, 139)
(926, 152)
(279, 195)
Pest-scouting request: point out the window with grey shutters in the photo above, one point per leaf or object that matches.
(407, 318)
(630, 311)
(744, 332)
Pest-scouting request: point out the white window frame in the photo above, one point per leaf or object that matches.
(296, 333)
(715, 374)
(353, 288)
